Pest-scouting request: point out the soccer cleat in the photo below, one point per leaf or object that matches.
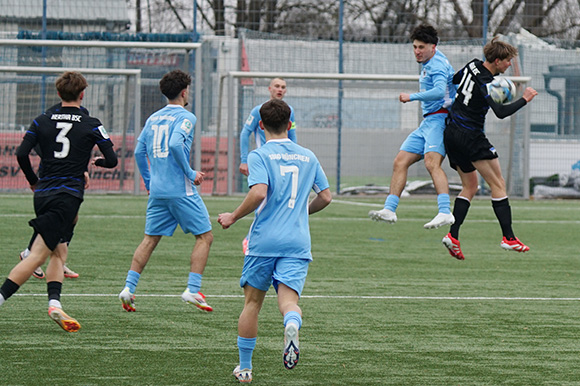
(453, 246)
(440, 220)
(38, 272)
(63, 320)
(197, 299)
(127, 300)
(514, 245)
(244, 376)
(291, 351)
(70, 273)
(383, 215)
(245, 245)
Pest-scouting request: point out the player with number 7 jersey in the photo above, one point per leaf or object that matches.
(281, 221)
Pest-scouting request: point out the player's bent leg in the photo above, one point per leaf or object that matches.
(38, 272)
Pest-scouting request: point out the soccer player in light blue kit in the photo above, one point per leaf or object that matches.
(436, 95)
(282, 175)
(162, 155)
(277, 89)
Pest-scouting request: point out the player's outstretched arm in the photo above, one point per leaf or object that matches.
(321, 201)
(253, 199)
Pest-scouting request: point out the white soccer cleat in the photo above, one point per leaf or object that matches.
(127, 300)
(244, 376)
(291, 351)
(384, 215)
(440, 220)
(69, 273)
(197, 299)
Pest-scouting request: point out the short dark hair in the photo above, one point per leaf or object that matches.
(425, 33)
(497, 49)
(173, 83)
(70, 85)
(275, 115)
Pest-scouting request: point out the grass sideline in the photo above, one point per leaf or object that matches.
(383, 304)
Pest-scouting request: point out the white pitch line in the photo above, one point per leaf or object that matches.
(363, 297)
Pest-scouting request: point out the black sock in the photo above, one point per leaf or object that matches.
(8, 288)
(54, 288)
(503, 213)
(460, 208)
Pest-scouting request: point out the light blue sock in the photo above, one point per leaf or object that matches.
(132, 280)
(444, 203)
(194, 282)
(293, 317)
(392, 202)
(246, 349)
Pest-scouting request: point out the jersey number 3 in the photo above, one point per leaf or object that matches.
(62, 139)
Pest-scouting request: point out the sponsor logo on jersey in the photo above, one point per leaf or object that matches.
(250, 120)
(186, 126)
(103, 132)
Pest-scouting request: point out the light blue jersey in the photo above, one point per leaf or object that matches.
(252, 127)
(436, 84)
(166, 142)
(280, 227)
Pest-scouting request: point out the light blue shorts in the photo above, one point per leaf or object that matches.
(164, 214)
(261, 272)
(428, 137)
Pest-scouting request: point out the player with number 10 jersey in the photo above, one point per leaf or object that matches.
(170, 175)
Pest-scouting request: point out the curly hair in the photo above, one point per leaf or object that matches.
(173, 83)
(425, 33)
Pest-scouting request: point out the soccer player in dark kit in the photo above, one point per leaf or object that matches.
(469, 150)
(66, 139)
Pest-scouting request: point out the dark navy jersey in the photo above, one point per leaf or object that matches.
(64, 137)
(472, 101)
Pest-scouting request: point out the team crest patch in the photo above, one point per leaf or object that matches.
(103, 132)
(186, 126)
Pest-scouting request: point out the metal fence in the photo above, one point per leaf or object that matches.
(551, 63)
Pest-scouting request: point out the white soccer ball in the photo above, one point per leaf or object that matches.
(501, 90)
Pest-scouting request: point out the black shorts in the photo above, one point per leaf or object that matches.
(55, 216)
(464, 146)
